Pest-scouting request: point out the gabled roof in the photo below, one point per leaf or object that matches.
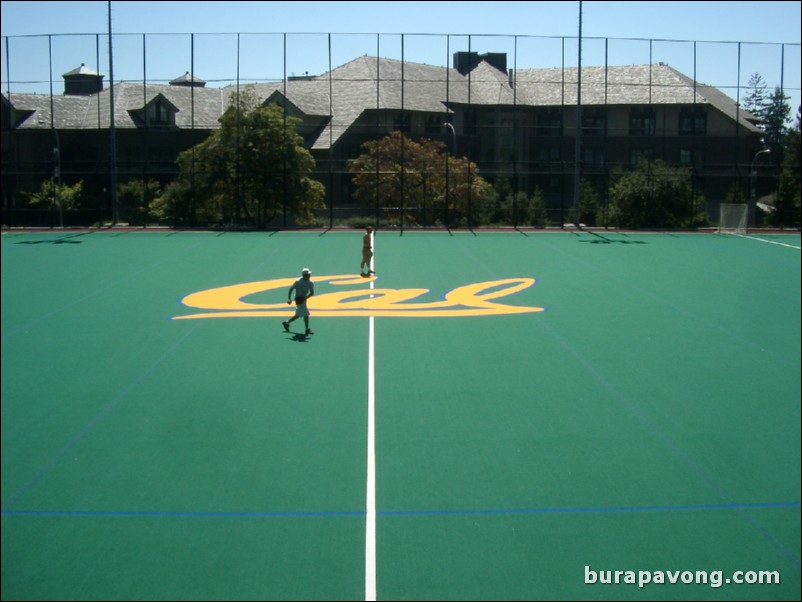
(139, 112)
(366, 84)
(199, 107)
(92, 112)
(310, 97)
(162, 99)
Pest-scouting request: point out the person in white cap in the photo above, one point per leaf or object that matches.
(304, 288)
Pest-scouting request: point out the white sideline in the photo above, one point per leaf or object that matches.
(771, 242)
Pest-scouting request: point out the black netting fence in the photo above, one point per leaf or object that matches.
(471, 131)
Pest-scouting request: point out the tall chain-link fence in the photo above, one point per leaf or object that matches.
(524, 137)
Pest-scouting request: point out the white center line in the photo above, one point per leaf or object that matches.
(370, 523)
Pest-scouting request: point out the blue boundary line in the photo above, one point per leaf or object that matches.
(389, 513)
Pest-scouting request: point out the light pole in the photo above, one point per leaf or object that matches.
(752, 174)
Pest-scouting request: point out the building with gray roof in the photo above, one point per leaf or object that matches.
(519, 125)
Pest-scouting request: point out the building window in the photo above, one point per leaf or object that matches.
(507, 124)
(594, 122)
(158, 114)
(642, 122)
(690, 157)
(548, 155)
(592, 156)
(434, 124)
(402, 122)
(507, 150)
(693, 122)
(550, 123)
(471, 121)
(640, 155)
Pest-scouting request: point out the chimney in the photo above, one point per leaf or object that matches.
(466, 61)
(497, 60)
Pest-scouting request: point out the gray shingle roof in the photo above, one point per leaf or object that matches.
(627, 85)
(82, 70)
(92, 112)
(367, 83)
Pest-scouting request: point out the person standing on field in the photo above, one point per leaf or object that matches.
(367, 253)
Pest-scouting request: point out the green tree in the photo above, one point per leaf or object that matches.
(736, 194)
(538, 214)
(516, 209)
(513, 209)
(787, 203)
(588, 203)
(497, 205)
(250, 171)
(417, 182)
(776, 115)
(655, 195)
(136, 198)
(755, 100)
(508, 208)
(62, 197)
(793, 147)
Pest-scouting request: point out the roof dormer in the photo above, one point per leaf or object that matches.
(82, 82)
(158, 112)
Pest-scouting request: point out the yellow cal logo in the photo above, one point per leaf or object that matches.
(469, 300)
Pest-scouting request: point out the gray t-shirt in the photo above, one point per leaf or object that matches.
(303, 287)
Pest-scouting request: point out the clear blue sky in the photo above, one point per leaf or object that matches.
(761, 27)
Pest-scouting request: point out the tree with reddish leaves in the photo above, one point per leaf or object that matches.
(417, 183)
